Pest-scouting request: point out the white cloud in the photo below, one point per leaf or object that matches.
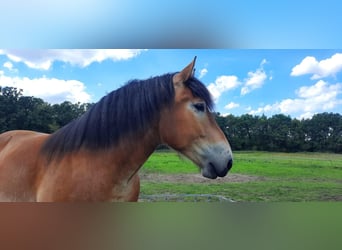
(225, 83)
(318, 69)
(222, 84)
(306, 115)
(312, 91)
(203, 72)
(255, 79)
(225, 114)
(51, 90)
(232, 105)
(8, 65)
(316, 98)
(43, 59)
(264, 110)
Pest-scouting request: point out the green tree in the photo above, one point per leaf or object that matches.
(262, 133)
(31, 113)
(9, 97)
(34, 114)
(296, 137)
(323, 132)
(280, 132)
(66, 112)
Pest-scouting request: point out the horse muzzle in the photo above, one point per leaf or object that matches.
(213, 170)
(217, 161)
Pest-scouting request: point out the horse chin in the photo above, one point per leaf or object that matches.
(211, 172)
(208, 173)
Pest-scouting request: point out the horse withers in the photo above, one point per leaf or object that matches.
(97, 156)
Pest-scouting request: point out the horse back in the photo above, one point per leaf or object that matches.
(19, 164)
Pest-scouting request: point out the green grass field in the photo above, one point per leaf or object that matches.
(281, 177)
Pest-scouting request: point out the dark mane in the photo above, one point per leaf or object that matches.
(125, 112)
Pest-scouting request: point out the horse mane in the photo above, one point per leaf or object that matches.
(126, 112)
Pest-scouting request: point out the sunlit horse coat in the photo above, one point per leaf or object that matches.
(97, 156)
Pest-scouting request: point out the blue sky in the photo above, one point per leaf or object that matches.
(297, 82)
(240, 24)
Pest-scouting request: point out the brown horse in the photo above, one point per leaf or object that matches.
(97, 156)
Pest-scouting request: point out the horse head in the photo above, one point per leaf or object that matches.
(189, 126)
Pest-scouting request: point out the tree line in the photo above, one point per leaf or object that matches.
(281, 133)
(323, 132)
(31, 113)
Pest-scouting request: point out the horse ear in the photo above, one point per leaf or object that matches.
(186, 73)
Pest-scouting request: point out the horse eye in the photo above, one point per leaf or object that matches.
(200, 107)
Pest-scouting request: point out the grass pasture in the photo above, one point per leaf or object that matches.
(262, 176)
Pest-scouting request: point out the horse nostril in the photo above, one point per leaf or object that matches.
(230, 164)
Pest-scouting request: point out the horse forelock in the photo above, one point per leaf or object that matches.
(199, 90)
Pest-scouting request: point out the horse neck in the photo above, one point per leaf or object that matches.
(131, 154)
